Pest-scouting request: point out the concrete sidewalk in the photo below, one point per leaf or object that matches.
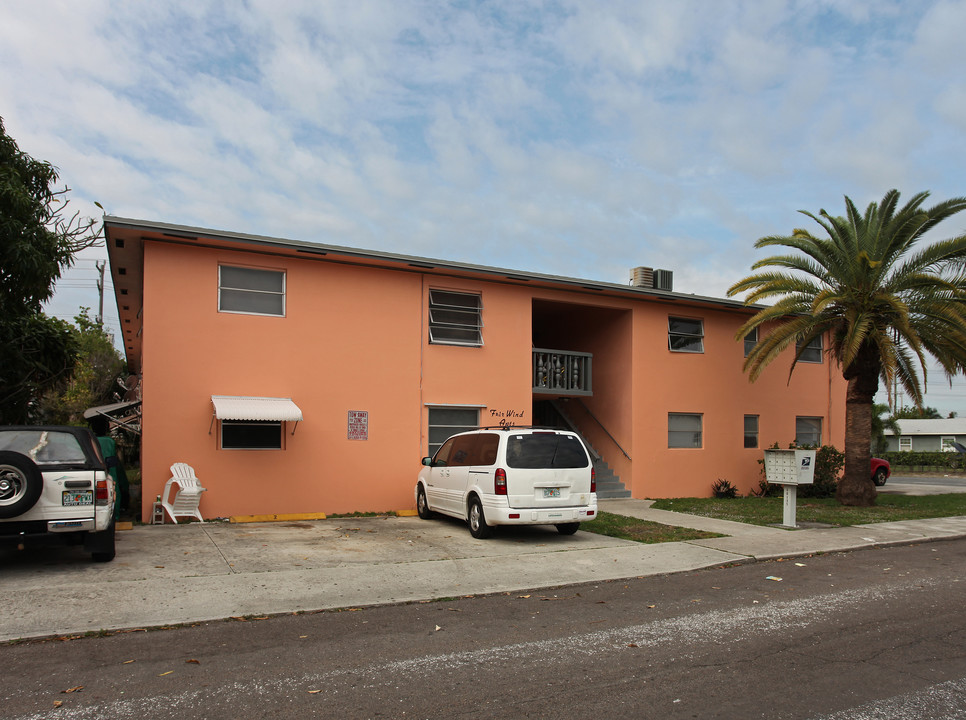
(177, 574)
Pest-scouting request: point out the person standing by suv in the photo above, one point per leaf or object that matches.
(101, 429)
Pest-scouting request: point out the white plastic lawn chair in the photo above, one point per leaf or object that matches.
(188, 495)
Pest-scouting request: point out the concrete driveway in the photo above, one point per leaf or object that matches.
(165, 575)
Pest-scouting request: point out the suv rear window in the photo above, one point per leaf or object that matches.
(44, 447)
(545, 450)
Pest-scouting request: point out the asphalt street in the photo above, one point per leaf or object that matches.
(165, 575)
(876, 633)
(954, 482)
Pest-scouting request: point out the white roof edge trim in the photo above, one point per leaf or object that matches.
(241, 407)
(453, 405)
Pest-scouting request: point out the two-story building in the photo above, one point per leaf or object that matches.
(299, 377)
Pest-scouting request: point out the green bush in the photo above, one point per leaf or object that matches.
(924, 460)
(828, 468)
(723, 489)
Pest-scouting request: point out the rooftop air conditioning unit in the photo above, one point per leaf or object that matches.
(642, 277)
(663, 280)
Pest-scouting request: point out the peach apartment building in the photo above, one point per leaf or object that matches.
(305, 378)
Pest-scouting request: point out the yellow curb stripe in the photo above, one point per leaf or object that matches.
(276, 518)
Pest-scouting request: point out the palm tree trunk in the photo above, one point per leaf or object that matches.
(856, 487)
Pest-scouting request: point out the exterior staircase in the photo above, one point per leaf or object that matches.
(609, 485)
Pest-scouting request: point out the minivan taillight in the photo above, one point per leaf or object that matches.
(499, 482)
(100, 492)
(593, 480)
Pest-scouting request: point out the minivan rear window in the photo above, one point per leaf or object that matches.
(545, 450)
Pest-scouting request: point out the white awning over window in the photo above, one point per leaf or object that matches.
(238, 407)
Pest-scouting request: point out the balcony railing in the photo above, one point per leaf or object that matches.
(561, 372)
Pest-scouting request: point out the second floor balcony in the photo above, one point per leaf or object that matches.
(561, 372)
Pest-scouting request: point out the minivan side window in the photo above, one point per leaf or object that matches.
(462, 453)
(486, 449)
(441, 459)
(545, 450)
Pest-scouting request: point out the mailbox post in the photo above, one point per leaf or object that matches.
(790, 468)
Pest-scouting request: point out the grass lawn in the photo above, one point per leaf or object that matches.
(768, 510)
(644, 531)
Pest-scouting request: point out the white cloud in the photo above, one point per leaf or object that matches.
(939, 37)
(547, 135)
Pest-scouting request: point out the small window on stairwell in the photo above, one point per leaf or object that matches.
(751, 339)
(751, 431)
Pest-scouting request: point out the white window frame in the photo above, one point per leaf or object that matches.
(448, 429)
(694, 340)
(751, 435)
(685, 437)
(454, 323)
(905, 444)
(813, 351)
(225, 291)
(801, 422)
(277, 425)
(751, 339)
(944, 439)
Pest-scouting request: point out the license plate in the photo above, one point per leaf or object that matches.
(78, 497)
(551, 492)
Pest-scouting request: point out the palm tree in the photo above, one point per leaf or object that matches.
(881, 298)
(879, 427)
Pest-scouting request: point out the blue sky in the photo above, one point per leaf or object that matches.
(574, 138)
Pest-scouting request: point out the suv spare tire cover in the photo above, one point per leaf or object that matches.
(20, 484)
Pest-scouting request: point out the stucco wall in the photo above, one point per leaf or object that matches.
(356, 338)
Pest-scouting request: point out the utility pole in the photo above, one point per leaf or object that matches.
(100, 291)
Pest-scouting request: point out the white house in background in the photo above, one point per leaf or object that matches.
(928, 435)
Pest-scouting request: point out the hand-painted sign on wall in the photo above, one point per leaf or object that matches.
(507, 417)
(358, 425)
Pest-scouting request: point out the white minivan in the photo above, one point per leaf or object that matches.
(510, 476)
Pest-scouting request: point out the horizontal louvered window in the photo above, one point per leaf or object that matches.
(685, 335)
(455, 318)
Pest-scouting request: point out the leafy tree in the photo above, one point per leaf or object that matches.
(883, 300)
(880, 425)
(94, 380)
(915, 413)
(38, 240)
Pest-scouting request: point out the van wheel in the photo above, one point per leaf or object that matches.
(422, 506)
(568, 528)
(478, 527)
(20, 484)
